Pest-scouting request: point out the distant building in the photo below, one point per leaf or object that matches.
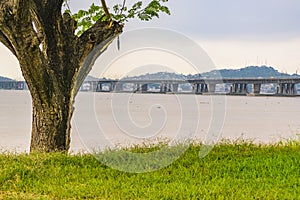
(13, 85)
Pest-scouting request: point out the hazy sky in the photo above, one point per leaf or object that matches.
(234, 33)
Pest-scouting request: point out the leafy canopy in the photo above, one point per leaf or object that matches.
(120, 13)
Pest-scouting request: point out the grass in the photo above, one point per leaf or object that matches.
(229, 171)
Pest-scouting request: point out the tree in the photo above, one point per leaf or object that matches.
(54, 50)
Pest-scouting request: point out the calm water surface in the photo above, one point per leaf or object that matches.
(109, 120)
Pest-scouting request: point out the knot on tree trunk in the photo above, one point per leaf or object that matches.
(92, 38)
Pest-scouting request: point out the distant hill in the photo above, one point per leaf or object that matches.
(5, 79)
(91, 78)
(247, 72)
(157, 76)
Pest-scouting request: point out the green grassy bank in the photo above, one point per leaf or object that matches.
(240, 171)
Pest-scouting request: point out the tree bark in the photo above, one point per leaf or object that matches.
(54, 62)
(51, 123)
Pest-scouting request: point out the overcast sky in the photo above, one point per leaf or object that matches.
(234, 33)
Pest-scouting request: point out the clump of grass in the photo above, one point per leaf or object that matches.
(229, 171)
(142, 158)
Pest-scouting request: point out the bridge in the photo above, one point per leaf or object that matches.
(231, 86)
(13, 85)
(228, 86)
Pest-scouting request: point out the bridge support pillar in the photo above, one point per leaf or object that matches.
(279, 89)
(238, 88)
(169, 87)
(234, 88)
(256, 88)
(212, 88)
(198, 88)
(286, 89)
(243, 88)
(175, 87)
(203, 88)
(99, 87)
(138, 87)
(112, 86)
(163, 87)
(231, 89)
(144, 88)
(293, 89)
(94, 86)
(118, 87)
(283, 88)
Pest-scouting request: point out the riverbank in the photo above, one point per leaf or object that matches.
(229, 171)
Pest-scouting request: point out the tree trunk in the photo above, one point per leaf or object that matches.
(51, 123)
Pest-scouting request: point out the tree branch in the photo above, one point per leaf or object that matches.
(7, 43)
(18, 35)
(105, 8)
(90, 60)
(16, 29)
(123, 7)
(6, 19)
(57, 34)
(93, 43)
(95, 35)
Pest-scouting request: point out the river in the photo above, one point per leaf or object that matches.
(112, 120)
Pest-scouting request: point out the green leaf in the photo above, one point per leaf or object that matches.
(86, 18)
